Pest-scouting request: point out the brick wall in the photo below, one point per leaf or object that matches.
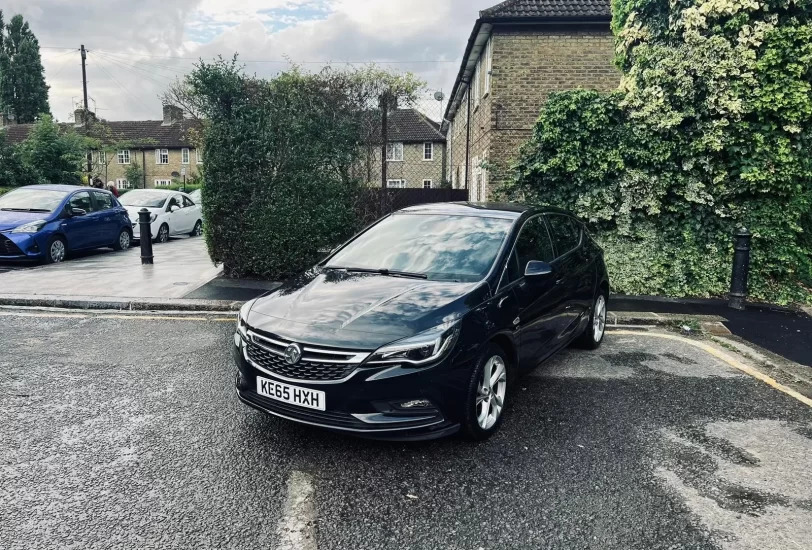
(528, 64)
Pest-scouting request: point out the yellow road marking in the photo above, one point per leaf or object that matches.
(131, 317)
(735, 363)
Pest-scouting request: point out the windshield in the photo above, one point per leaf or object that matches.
(32, 200)
(456, 248)
(148, 199)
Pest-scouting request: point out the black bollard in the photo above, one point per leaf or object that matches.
(145, 224)
(741, 269)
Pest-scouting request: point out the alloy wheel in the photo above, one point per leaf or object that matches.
(198, 230)
(490, 398)
(599, 318)
(57, 251)
(124, 240)
(163, 234)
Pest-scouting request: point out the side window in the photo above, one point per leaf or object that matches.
(187, 203)
(174, 201)
(103, 201)
(533, 244)
(566, 233)
(81, 200)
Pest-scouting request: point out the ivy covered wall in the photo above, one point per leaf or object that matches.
(710, 130)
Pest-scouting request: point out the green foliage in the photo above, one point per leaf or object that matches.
(710, 130)
(134, 174)
(52, 154)
(280, 157)
(12, 172)
(23, 91)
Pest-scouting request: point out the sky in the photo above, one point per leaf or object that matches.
(136, 49)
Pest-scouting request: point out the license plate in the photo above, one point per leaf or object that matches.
(302, 397)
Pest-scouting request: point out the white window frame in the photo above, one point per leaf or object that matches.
(185, 157)
(159, 154)
(488, 66)
(198, 156)
(396, 184)
(122, 183)
(392, 150)
(431, 184)
(428, 147)
(101, 158)
(162, 182)
(123, 156)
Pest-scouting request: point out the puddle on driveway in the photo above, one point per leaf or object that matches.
(749, 483)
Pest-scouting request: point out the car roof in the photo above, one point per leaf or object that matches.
(481, 209)
(49, 187)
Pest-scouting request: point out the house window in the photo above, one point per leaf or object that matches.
(122, 183)
(396, 184)
(428, 151)
(488, 65)
(163, 183)
(184, 156)
(394, 152)
(161, 156)
(124, 156)
(101, 158)
(199, 156)
(427, 184)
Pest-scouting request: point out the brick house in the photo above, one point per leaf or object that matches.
(415, 153)
(520, 51)
(163, 148)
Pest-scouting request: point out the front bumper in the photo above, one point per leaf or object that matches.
(20, 246)
(137, 231)
(363, 407)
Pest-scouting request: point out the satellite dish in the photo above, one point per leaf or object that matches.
(439, 96)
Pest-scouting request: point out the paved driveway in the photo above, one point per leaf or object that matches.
(124, 432)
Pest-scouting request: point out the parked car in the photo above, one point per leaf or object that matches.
(48, 222)
(421, 324)
(171, 213)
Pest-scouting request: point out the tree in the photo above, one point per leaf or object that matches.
(23, 91)
(134, 174)
(53, 155)
(12, 172)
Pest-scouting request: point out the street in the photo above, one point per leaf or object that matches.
(123, 431)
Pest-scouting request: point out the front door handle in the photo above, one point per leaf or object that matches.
(560, 281)
(502, 301)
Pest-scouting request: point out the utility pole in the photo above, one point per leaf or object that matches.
(86, 116)
(384, 136)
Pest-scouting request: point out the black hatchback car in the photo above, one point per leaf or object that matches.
(419, 326)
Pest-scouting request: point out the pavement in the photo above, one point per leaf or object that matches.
(181, 266)
(652, 442)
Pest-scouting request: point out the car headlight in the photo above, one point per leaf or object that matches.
(424, 348)
(242, 319)
(30, 227)
(152, 218)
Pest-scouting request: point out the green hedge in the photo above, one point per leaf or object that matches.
(710, 130)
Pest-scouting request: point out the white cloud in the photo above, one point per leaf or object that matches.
(126, 84)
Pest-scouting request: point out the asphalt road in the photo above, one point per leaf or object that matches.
(125, 433)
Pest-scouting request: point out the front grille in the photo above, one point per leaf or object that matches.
(316, 365)
(8, 248)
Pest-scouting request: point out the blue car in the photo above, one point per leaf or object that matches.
(47, 222)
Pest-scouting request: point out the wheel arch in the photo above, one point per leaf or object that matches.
(508, 345)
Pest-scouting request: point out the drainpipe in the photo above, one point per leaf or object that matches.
(468, 138)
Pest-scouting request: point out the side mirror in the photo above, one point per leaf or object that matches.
(77, 211)
(174, 208)
(537, 271)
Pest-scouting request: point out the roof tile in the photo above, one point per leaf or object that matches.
(549, 8)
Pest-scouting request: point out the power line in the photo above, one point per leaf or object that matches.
(142, 74)
(65, 64)
(124, 89)
(362, 62)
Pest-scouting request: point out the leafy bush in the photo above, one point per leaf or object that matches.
(280, 157)
(710, 130)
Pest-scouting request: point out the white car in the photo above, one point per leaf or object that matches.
(171, 213)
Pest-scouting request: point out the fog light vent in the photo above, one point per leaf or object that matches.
(416, 404)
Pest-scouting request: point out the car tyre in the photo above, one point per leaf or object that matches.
(487, 392)
(124, 240)
(57, 250)
(596, 329)
(198, 229)
(163, 234)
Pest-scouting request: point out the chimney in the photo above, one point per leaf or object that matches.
(172, 114)
(82, 117)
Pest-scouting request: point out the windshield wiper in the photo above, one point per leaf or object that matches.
(25, 209)
(385, 272)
